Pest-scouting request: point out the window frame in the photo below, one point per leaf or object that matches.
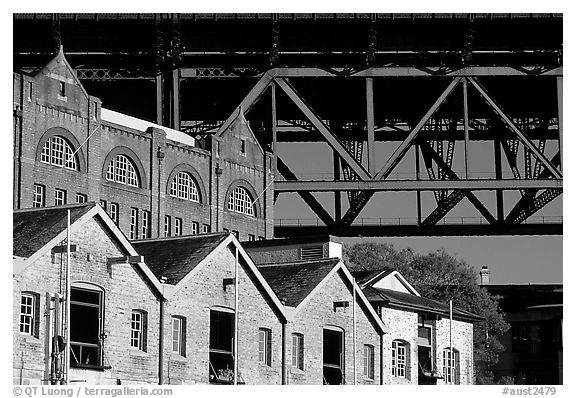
(81, 198)
(61, 199)
(177, 226)
(451, 366)
(41, 194)
(368, 369)
(298, 351)
(92, 289)
(399, 358)
(195, 227)
(184, 186)
(31, 319)
(167, 226)
(138, 334)
(178, 336)
(58, 151)
(240, 201)
(133, 223)
(146, 218)
(265, 346)
(122, 170)
(115, 212)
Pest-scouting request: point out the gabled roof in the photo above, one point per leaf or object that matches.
(36, 231)
(297, 282)
(293, 282)
(406, 301)
(171, 259)
(58, 60)
(385, 278)
(34, 228)
(176, 260)
(240, 119)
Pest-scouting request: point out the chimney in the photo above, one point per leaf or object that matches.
(484, 275)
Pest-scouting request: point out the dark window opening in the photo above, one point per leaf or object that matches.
(221, 343)
(85, 327)
(62, 89)
(333, 357)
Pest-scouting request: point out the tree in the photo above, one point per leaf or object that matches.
(442, 277)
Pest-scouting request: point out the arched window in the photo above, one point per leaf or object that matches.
(240, 201)
(122, 170)
(183, 186)
(58, 152)
(451, 366)
(400, 357)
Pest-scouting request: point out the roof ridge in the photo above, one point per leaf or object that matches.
(66, 206)
(180, 237)
(317, 260)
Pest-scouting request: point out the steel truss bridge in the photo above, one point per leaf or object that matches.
(451, 109)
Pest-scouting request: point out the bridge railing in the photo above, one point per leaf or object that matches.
(404, 176)
(389, 221)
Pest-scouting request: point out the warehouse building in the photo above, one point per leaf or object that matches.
(152, 180)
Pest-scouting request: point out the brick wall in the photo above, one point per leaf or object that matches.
(462, 340)
(124, 290)
(318, 313)
(75, 118)
(403, 326)
(203, 292)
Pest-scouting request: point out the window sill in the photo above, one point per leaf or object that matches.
(178, 358)
(91, 367)
(62, 98)
(297, 371)
(29, 338)
(134, 352)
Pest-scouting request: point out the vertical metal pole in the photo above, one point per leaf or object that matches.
(418, 194)
(236, 316)
(176, 99)
(466, 127)
(499, 194)
(159, 98)
(370, 124)
(451, 349)
(69, 350)
(274, 127)
(559, 88)
(337, 194)
(354, 326)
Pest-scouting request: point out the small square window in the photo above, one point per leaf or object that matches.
(103, 204)
(195, 227)
(251, 238)
(81, 198)
(205, 228)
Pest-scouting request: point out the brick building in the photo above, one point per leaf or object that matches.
(113, 294)
(198, 276)
(417, 346)
(152, 180)
(421, 334)
(336, 337)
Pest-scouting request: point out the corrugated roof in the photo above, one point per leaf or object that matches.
(410, 301)
(293, 282)
(173, 258)
(34, 228)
